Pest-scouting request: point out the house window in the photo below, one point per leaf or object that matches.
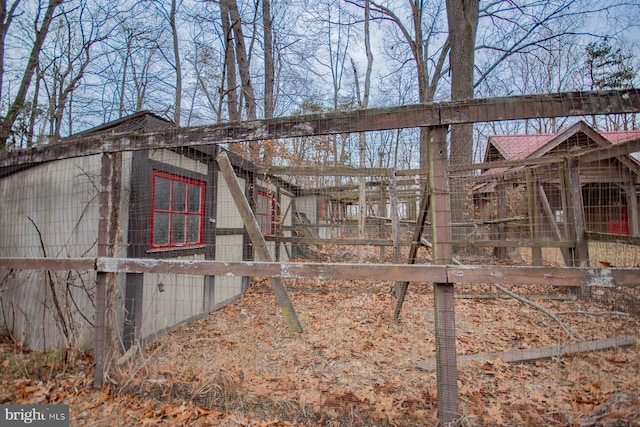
(559, 216)
(264, 212)
(178, 211)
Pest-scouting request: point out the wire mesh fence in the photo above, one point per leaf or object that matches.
(111, 250)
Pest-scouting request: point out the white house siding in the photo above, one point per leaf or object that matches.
(227, 212)
(228, 248)
(169, 299)
(174, 159)
(307, 205)
(287, 222)
(58, 203)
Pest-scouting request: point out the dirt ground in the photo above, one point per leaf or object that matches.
(354, 365)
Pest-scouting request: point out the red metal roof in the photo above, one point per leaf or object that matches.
(621, 136)
(518, 147)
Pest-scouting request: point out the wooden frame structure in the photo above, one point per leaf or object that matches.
(438, 115)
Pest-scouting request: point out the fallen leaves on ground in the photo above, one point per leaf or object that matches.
(353, 365)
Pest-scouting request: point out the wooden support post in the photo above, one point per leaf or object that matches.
(534, 219)
(401, 287)
(500, 252)
(576, 208)
(107, 227)
(382, 212)
(632, 204)
(576, 220)
(259, 244)
(395, 219)
(447, 368)
(554, 225)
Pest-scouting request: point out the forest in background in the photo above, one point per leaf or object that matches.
(69, 65)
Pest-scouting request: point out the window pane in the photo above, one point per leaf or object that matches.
(177, 229)
(178, 203)
(260, 205)
(194, 198)
(160, 229)
(193, 229)
(161, 193)
(265, 224)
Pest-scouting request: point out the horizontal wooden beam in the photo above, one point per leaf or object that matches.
(550, 276)
(321, 271)
(539, 353)
(456, 243)
(409, 116)
(514, 243)
(50, 264)
(602, 153)
(338, 171)
(614, 238)
(515, 275)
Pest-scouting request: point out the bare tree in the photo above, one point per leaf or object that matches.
(462, 16)
(170, 16)
(269, 63)
(233, 104)
(176, 65)
(363, 102)
(65, 60)
(428, 46)
(6, 19)
(242, 59)
(41, 31)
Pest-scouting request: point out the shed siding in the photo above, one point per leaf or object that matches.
(174, 159)
(169, 299)
(57, 203)
(228, 216)
(228, 248)
(286, 210)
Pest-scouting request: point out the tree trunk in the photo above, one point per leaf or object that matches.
(230, 66)
(177, 66)
(269, 66)
(6, 18)
(21, 94)
(362, 145)
(269, 76)
(462, 16)
(241, 58)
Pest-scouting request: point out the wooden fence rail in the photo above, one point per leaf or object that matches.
(456, 274)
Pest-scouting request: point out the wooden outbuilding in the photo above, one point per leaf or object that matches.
(550, 168)
(173, 203)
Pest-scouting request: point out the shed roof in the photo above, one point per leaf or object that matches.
(532, 146)
(520, 147)
(143, 119)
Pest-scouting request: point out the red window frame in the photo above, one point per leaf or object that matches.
(265, 217)
(177, 222)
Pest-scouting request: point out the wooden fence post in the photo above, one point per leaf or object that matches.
(446, 361)
(109, 199)
(395, 218)
(534, 218)
(577, 223)
(259, 244)
(500, 229)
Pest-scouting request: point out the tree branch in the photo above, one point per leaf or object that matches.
(555, 318)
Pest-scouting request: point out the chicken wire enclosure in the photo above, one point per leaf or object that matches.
(135, 228)
(49, 212)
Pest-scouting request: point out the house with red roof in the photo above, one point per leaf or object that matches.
(609, 179)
